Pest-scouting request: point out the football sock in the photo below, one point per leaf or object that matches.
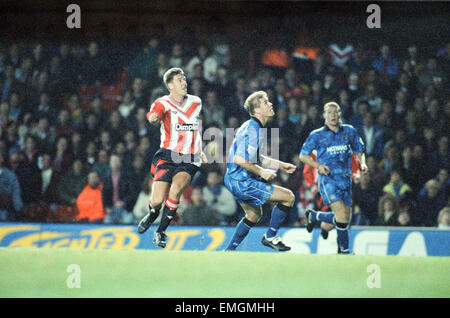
(241, 231)
(326, 217)
(169, 212)
(277, 217)
(342, 237)
(154, 213)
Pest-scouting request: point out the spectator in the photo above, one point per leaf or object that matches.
(294, 111)
(31, 151)
(89, 202)
(45, 109)
(77, 144)
(365, 196)
(128, 105)
(141, 207)
(353, 88)
(372, 136)
(28, 175)
(443, 180)
(386, 65)
(62, 157)
(444, 219)
(9, 84)
(118, 193)
(94, 66)
(90, 127)
(407, 164)
(223, 86)
(439, 157)
(397, 187)
(218, 197)
(44, 134)
(75, 110)
(356, 120)
(340, 53)
(141, 127)
(102, 165)
(213, 111)
(428, 205)
(115, 127)
(389, 159)
(140, 96)
(71, 184)
(286, 131)
(431, 70)
(200, 213)
(64, 125)
(98, 110)
(11, 203)
(388, 210)
(176, 58)
(90, 155)
(50, 181)
(145, 61)
(16, 110)
(404, 218)
(24, 73)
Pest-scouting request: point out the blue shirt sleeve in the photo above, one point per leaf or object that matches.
(309, 145)
(356, 142)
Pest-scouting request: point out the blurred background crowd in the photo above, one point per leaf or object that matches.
(75, 145)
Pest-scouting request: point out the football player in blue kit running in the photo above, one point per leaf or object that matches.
(334, 143)
(249, 182)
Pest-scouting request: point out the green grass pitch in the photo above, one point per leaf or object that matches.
(43, 272)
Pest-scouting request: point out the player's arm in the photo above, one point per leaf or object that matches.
(266, 174)
(156, 112)
(308, 160)
(362, 162)
(277, 164)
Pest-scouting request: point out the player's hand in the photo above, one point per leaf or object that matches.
(203, 157)
(268, 174)
(364, 168)
(288, 167)
(154, 118)
(324, 170)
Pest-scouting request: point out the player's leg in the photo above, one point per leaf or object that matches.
(325, 228)
(285, 200)
(342, 220)
(180, 181)
(252, 216)
(159, 191)
(328, 192)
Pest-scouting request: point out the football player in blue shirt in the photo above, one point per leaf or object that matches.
(249, 182)
(334, 143)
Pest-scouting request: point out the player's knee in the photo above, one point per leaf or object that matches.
(253, 217)
(290, 198)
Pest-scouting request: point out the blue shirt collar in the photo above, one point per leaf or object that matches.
(339, 130)
(258, 121)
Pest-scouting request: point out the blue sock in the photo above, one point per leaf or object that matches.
(342, 237)
(326, 217)
(241, 231)
(277, 217)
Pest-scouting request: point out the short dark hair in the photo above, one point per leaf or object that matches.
(170, 74)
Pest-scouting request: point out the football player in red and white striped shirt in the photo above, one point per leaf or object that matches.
(180, 154)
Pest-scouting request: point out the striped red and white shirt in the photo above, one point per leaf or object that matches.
(180, 124)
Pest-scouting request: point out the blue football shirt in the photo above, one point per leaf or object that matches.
(334, 149)
(248, 140)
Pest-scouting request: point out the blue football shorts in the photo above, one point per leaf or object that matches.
(250, 191)
(334, 188)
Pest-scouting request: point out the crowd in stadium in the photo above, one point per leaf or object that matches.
(76, 146)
